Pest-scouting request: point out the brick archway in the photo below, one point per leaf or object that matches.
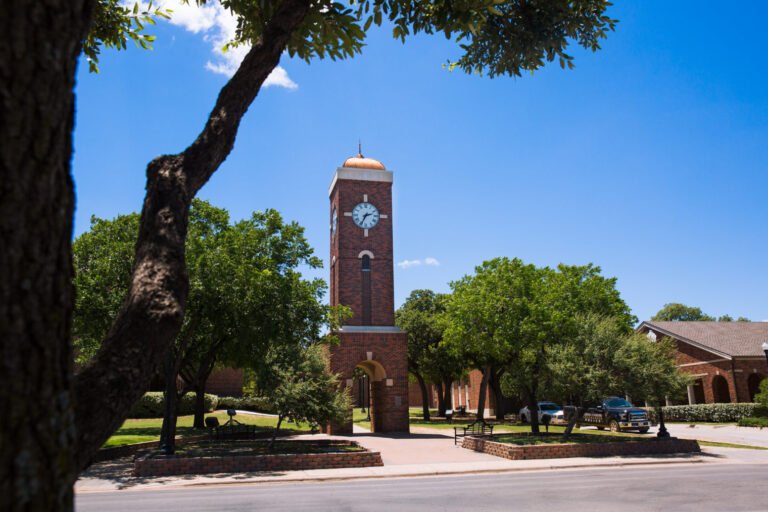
(720, 390)
(753, 384)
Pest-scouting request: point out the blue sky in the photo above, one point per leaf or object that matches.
(650, 159)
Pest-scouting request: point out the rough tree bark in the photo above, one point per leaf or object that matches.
(152, 313)
(39, 49)
(41, 42)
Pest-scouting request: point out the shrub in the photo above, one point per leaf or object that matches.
(246, 403)
(151, 405)
(754, 421)
(762, 396)
(709, 413)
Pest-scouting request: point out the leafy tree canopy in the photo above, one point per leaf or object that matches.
(495, 37)
(676, 312)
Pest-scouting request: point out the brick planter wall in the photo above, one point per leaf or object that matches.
(179, 465)
(557, 451)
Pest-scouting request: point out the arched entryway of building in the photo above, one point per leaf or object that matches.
(720, 389)
(753, 384)
(370, 381)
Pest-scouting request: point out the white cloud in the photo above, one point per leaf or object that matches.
(218, 27)
(429, 261)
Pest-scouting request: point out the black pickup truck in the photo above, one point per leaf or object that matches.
(616, 414)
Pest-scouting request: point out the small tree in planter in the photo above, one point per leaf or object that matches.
(305, 391)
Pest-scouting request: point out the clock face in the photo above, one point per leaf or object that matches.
(334, 221)
(365, 215)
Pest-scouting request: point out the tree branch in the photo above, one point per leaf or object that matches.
(151, 315)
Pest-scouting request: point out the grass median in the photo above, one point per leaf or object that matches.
(148, 429)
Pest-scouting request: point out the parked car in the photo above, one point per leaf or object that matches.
(616, 414)
(550, 409)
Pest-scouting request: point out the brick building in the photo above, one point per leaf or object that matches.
(465, 393)
(725, 358)
(362, 278)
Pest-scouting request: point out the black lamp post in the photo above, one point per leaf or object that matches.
(765, 350)
(663, 433)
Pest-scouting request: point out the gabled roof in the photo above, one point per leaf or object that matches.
(733, 339)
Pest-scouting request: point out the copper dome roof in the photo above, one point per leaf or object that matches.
(360, 162)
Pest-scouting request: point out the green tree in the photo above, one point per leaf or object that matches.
(245, 294)
(115, 24)
(762, 396)
(676, 312)
(302, 389)
(604, 359)
(36, 294)
(422, 317)
(560, 298)
(485, 316)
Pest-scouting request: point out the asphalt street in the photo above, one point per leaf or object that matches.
(695, 487)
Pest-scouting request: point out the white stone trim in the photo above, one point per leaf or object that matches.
(347, 173)
(365, 253)
(704, 362)
(370, 328)
(384, 216)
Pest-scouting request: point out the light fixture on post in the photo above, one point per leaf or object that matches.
(765, 350)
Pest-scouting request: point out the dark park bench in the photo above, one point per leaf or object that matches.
(475, 429)
(232, 429)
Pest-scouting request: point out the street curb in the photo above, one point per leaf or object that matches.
(397, 475)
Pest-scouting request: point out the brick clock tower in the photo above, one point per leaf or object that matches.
(362, 278)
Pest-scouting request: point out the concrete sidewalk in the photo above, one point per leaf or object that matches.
(720, 433)
(425, 452)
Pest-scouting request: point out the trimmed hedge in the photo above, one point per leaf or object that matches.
(709, 413)
(246, 403)
(151, 405)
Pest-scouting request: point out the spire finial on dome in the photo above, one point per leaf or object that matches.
(359, 149)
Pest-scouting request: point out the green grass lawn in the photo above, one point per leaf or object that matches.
(359, 418)
(148, 429)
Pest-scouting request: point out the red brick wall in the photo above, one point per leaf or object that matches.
(388, 349)
(557, 451)
(695, 361)
(162, 466)
(349, 241)
(225, 382)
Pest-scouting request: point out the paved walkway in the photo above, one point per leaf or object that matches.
(721, 433)
(428, 452)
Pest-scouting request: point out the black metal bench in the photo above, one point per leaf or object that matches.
(477, 429)
(232, 429)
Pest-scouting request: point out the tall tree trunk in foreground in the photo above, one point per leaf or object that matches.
(424, 396)
(41, 42)
(38, 60)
